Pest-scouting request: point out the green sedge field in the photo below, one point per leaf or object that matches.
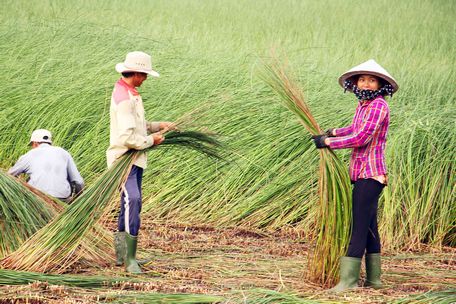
(240, 231)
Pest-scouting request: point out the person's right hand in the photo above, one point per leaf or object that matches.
(158, 138)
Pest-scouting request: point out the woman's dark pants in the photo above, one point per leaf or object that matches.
(365, 237)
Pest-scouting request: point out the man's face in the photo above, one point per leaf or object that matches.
(138, 79)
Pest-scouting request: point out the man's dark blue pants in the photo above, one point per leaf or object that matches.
(131, 202)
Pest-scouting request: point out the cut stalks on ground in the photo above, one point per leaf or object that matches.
(12, 277)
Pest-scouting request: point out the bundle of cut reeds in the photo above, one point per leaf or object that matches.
(29, 209)
(334, 215)
(21, 213)
(13, 277)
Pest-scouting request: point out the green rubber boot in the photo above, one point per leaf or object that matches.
(120, 246)
(373, 271)
(131, 265)
(349, 274)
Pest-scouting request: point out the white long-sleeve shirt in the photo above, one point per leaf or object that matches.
(51, 170)
(128, 126)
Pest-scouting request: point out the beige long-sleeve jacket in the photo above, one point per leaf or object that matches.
(128, 126)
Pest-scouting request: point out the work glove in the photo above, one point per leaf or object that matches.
(319, 141)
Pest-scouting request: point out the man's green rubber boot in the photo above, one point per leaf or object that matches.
(131, 265)
(373, 271)
(120, 246)
(349, 274)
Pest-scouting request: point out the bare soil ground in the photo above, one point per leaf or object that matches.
(230, 262)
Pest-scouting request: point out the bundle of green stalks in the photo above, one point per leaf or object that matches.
(334, 215)
(150, 297)
(92, 253)
(12, 277)
(26, 204)
(54, 204)
(435, 297)
(264, 296)
(21, 213)
(201, 142)
(64, 241)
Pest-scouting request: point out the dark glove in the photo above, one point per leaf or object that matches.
(329, 133)
(75, 188)
(319, 141)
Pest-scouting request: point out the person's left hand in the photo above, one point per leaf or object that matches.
(319, 141)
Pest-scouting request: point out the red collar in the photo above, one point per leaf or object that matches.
(129, 87)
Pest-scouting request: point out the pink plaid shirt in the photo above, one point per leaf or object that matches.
(367, 136)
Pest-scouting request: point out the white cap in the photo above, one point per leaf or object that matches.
(372, 68)
(40, 136)
(137, 62)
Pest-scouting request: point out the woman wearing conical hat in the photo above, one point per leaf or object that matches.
(366, 136)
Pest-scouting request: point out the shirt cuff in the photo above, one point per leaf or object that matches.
(153, 126)
(149, 141)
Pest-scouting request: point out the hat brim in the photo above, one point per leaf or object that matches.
(348, 75)
(121, 68)
(41, 141)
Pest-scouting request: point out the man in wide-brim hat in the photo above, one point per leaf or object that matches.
(130, 130)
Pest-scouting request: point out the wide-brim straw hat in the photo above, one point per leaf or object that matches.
(137, 62)
(372, 68)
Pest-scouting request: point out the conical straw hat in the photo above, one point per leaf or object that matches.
(372, 68)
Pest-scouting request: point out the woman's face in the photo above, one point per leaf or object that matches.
(368, 82)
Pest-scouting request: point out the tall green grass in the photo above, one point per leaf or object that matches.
(58, 71)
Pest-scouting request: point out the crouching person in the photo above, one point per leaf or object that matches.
(50, 169)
